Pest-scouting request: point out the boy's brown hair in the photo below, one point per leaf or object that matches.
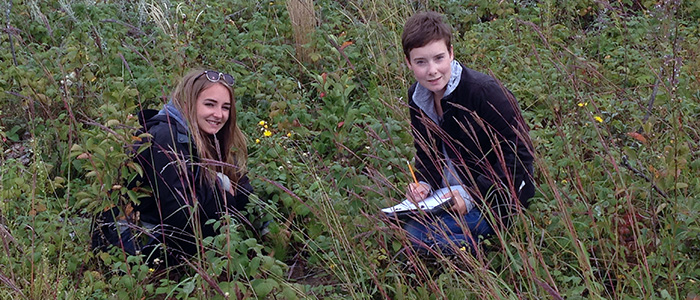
(423, 28)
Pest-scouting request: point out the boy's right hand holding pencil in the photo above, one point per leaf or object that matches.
(416, 191)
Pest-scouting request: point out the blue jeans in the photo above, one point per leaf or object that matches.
(444, 231)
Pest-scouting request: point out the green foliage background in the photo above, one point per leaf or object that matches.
(610, 90)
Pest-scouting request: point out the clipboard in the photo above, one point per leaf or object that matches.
(432, 204)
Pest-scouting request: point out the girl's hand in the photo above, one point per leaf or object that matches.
(225, 183)
(417, 191)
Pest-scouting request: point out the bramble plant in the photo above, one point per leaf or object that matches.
(609, 90)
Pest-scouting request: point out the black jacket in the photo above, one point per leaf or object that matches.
(485, 137)
(171, 170)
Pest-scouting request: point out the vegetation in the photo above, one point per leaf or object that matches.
(610, 90)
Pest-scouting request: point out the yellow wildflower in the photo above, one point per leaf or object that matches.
(257, 141)
(464, 248)
(599, 119)
(582, 104)
(267, 133)
(289, 134)
(265, 126)
(262, 123)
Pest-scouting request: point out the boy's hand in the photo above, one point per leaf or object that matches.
(417, 191)
(458, 205)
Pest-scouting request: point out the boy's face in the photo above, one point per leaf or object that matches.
(431, 65)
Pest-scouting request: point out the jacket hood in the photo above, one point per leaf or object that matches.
(168, 114)
(171, 111)
(151, 118)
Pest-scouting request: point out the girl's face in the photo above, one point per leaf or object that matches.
(431, 65)
(213, 108)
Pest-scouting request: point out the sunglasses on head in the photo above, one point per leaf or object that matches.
(218, 76)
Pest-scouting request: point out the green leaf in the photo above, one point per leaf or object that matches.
(681, 185)
(263, 287)
(76, 149)
(188, 287)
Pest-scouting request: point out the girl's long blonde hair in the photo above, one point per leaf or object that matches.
(232, 150)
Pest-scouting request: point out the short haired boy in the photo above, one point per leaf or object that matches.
(468, 131)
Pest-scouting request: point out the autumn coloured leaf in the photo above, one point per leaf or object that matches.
(637, 136)
(345, 44)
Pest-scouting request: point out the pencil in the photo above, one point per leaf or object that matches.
(412, 173)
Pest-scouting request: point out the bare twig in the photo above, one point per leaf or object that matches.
(347, 59)
(133, 28)
(12, 285)
(626, 163)
(7, 238)
(9, 32)
(650, 105)
(126, 64)
(553, 293)
(211, 281)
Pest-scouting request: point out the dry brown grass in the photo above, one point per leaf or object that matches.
(303, 18)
